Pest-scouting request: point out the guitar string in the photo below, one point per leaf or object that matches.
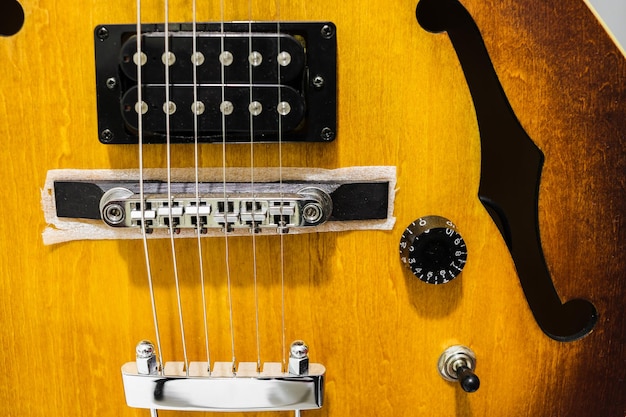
(198, 109)
(254, 254)
(280, 188)
(171, 228)
(142, 203)
(169, 108)
(226, 243)
(170, 217)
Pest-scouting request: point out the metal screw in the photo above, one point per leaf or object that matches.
(299, 358)
(113, 214)
(146, 358)
(226, 58)
(284, 58)
(327, 134)
(282, 228)
(103, 33)
(255, 58)
(255, 108)
(318, 81)
(312, 212)
(197, 59)
(227, 108)
(111, 83)
(283, 108)
(327, 32)
(106, 136)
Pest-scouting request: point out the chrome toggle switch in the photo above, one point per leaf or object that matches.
(457, 364)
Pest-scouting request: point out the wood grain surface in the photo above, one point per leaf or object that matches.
(72, 313)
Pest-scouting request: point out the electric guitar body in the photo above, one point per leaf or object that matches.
(73, 312)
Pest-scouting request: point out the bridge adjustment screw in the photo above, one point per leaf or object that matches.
(113, 214)
(312, 212)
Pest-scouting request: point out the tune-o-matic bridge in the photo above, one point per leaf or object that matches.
(84, 204)
(212, 207)
(237, 82)
(240, 206)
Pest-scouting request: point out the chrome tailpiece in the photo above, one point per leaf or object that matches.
(224, 388)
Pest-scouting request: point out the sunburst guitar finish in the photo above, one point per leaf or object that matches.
(73, 313)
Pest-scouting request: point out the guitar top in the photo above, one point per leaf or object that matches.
(73, 313)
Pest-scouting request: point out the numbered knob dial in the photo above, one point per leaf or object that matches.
(433, 250)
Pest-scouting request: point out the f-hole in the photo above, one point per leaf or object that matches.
(11, 18)
(511, 167)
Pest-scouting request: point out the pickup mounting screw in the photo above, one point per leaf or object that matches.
(106, 135)
(111, 83)
(103, 33)
(327, 31)
(327, 134)
(318, 81)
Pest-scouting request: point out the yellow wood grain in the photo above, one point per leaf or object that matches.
(71, 314)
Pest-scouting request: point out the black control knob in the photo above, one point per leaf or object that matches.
(433, 249)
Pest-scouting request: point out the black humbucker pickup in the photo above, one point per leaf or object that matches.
(242, 82)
